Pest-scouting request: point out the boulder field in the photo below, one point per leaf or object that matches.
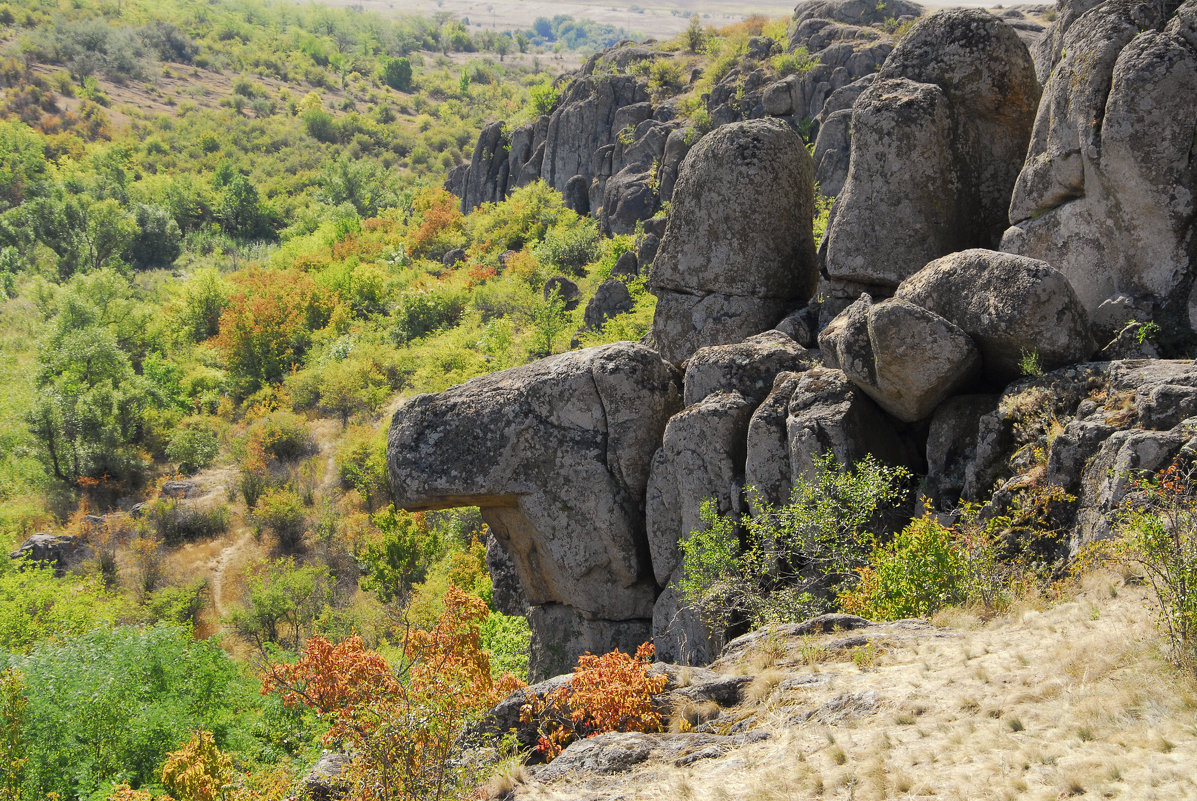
(1012, 208)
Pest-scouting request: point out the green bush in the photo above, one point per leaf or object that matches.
(788, 562)
(507, 638)
(193, 445)
(1159, 529)
(396, 73)
(283, 603)
(281, 512)
(569, 248)
(36, 606)
(111, 704)
(178, 521)
(923, 569)
(798, 61)
(282, 435)
(420, 313)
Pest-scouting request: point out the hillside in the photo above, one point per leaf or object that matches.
(361, 367)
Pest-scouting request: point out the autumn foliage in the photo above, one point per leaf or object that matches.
(403, 725)
(612, 692)
(198, 771)
(266, 327)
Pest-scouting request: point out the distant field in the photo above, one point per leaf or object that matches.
(644, 20)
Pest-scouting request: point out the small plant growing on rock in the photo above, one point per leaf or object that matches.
(612, 692)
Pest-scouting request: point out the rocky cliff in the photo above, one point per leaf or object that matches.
(1004, 210)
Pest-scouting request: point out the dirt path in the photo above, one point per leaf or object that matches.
(220, 564)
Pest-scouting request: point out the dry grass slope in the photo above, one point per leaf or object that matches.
(1060, 701)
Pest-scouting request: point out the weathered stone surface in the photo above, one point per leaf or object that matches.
(683, 322)
(740, 228)
(1009, 305)
(59, 551)
(827, 414)
(679, 632)
(951, 445)
(855, 12)
(577, 194)
(949, 115)
(748, 367)
(611, 298)
(324, 782)
(701, 456)
(628, 198)
(1109, 178)
(627, 265)
(767, 466)
(584, 121)
(906, 358)
(180, 489)
(616, 752)
(567, 291)
(556, 453)
(881, 231)
(560, 634)
(507, 593)
(740, 224)
(486, 181)
(987, 74)
(454, 257)
(833, 150)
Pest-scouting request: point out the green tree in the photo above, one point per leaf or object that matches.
(396, 73)
(158, 241)
(283, 603)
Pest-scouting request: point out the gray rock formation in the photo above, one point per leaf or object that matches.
(951, 445)
(566, 289)
(507, 594)
(549, 450)
(738, 247)
(949, 116)
(486, 181)
(767, 465)
(59, 551)
(748, 367)
(1011, 306)
(828, 415)
(904, 357)
(611, 298)
(1110, 178)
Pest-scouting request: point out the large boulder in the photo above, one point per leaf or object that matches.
(767, 467)
(904, 357)
(1010, 305)
(486, 181)
(739, 230)
(59, 551)
(855, 12)
(1108, 194)
(557, 454)
(611, 298)
(585, 121)
(747, 367)
(701, 457)
(827, 414)
(937, 141)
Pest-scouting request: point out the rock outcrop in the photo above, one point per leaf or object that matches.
(1110, 177)
(549, 450)
(904, 357)
(1010, 305)
(738, 249)
(948, 117)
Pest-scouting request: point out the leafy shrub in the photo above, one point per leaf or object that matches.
(569, 248)
(507, 639)
(36, 606)
(795, 557)
(400, 555)
(542, 98)
(157, 242)
(131, 695)
(923, 569)
(404, 731)
(14, 717)
(798, 61)
(1160, 538)
(177, 521)
(280, 512)
(193, 445)
(612, 692)
(423, 312)
(198, 771)
(283, 601)
(282, 435)
(396, 73)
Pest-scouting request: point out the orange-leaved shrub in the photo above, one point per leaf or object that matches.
(403, 725)
(612, 692)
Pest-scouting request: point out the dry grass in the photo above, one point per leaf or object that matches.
(1071, 700)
